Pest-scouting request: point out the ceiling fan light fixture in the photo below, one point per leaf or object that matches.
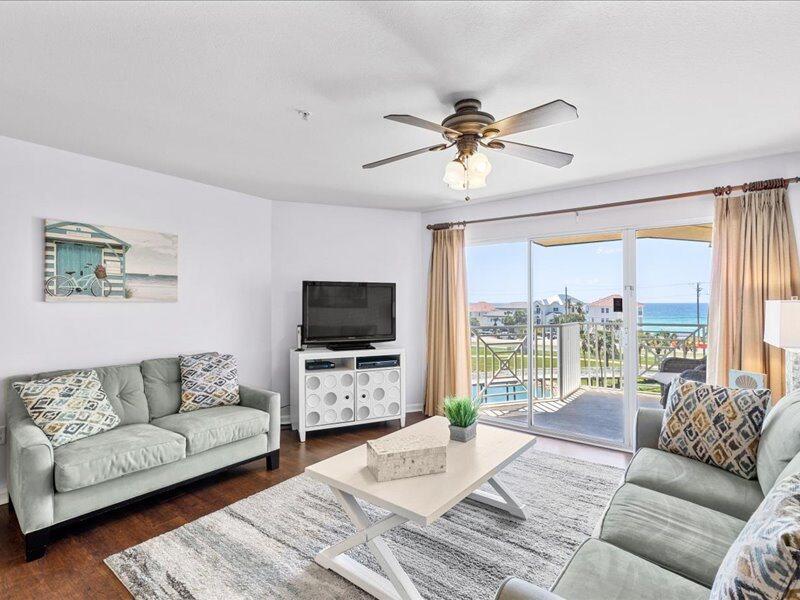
(467, 172)
(455, 175)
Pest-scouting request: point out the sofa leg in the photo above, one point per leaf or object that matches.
(273, 460)
(36, 544)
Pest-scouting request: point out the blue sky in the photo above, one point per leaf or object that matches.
(667, 270)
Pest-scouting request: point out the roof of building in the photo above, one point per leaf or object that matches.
(480, 307)
(608, 301)
(511, 305)
(61, 226)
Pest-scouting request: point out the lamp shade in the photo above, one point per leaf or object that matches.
(782, 323)
(455, 175)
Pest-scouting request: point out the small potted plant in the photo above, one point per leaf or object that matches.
(463, 416)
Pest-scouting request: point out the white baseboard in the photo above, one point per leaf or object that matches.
(3, 496)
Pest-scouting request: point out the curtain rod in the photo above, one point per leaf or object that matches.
(753, 186)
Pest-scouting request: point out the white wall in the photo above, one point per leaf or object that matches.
(224, 268)
(317, 242)
(659, 213)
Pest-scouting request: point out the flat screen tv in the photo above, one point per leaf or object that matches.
(348, 315)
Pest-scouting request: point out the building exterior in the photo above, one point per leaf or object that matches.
(602, 310)
(78, 248)
(545, 311)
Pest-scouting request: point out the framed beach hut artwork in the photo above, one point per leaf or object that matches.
(103, 263)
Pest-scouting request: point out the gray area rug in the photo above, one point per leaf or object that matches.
(264, 546)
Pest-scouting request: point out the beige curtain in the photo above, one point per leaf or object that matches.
(754, 260)
(448, 321)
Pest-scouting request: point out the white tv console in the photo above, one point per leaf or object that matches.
(345, 395)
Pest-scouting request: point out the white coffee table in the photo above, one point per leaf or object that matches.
(418, 499)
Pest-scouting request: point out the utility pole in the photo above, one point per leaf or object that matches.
(566, 301)
(698, 290)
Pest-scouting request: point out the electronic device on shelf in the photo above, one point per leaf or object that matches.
(364, 386)
(377, 362)
(318, 365)
(348, 315)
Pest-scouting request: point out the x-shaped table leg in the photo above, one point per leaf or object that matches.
(398, 586)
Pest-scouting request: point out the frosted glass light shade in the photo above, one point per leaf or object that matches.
(455, 175)
(782, 323)
(468, 175)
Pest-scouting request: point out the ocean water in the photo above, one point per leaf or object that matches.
(152, 288)
(674, 313)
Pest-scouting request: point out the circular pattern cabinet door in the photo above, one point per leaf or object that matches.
(377, 394)
(330, 398)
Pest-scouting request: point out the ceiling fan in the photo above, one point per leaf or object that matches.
(469, 128)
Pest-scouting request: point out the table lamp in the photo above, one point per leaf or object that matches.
(782, 329)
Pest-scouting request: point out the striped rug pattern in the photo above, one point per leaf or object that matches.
(263, 546)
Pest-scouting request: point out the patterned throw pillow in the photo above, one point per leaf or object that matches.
(764, 561)
(714, 424)
(208, 380)
(68, 407)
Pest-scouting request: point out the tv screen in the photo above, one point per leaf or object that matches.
(348, 312)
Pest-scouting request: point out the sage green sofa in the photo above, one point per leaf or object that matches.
(668, 526)
(154, 447)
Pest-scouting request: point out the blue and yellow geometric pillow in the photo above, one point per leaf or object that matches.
(764, 561)
(68, 407)
(208, 380)
(716, 425)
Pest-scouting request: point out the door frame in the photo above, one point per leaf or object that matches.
(629, 332)
(630, 325)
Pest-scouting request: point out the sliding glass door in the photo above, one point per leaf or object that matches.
(571, 333)
(579, 336)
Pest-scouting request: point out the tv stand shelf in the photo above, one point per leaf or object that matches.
(345, 395)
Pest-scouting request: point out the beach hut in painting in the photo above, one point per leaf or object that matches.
(79, 248)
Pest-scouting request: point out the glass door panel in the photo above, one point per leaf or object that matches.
(578, 337)
(498, 314)
(673, 267)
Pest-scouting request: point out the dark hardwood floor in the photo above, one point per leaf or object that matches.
(73, 566)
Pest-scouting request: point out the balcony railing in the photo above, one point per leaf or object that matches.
(567, 356)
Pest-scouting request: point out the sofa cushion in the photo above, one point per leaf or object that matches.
(780, 441)
(162, 386)
(716, 425)
(764, 561)
(676, 534)
(124, 387)
(600, 570)
(208, 380)
(111, 454)
(694, 481)
(68, 407)
(211, 427)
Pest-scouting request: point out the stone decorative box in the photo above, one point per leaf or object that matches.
(400, 456)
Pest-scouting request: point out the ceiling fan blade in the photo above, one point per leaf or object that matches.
(386, 161)
(551, 158)
(551, 113)
(417, 122)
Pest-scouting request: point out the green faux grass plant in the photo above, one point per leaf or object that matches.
(460, 411)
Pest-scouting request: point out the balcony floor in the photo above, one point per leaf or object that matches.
(589, 412)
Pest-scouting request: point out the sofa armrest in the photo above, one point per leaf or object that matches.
(648, 427)
(514, 588)
(30, 474)
(270, 403)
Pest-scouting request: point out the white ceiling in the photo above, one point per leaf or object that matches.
(208, 91)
